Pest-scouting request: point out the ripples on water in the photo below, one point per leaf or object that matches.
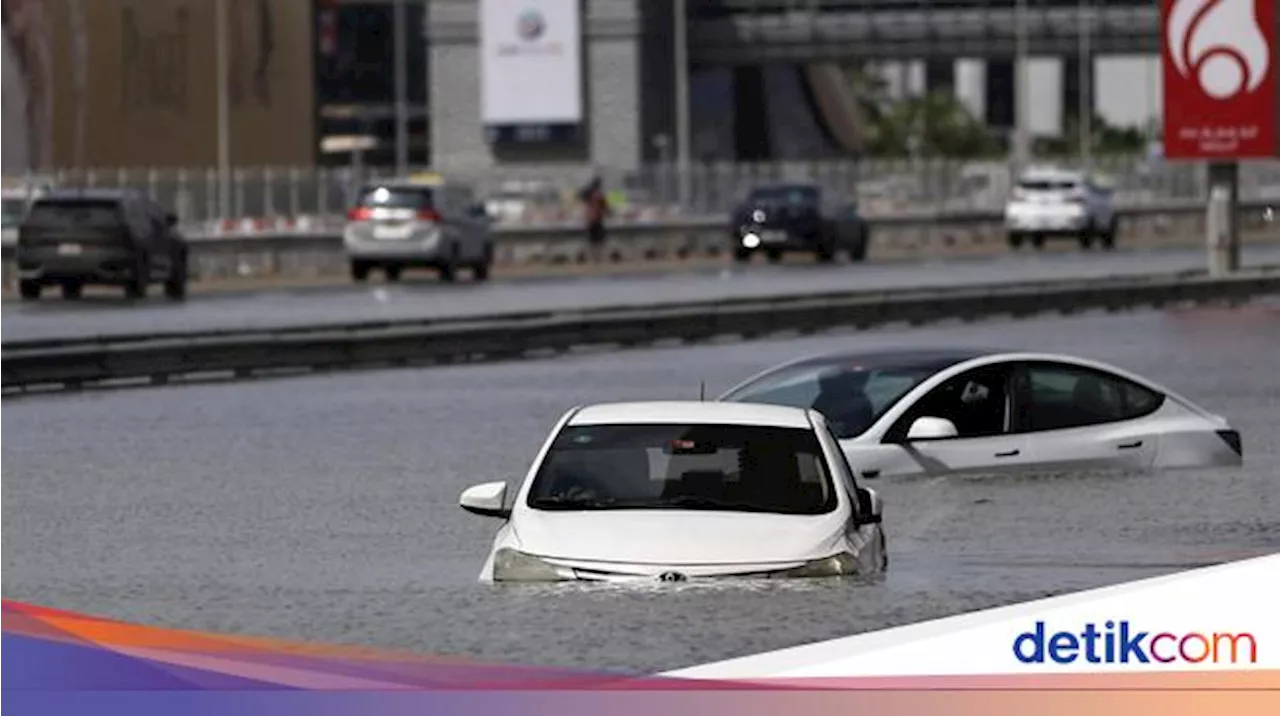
(325, 508)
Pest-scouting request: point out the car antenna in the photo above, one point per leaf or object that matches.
(702, 391)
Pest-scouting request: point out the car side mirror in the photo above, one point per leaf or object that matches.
(870, 510)
(486, 500)
(928, 428)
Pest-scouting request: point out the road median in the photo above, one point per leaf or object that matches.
(64, 364)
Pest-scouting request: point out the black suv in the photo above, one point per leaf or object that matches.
(797, 217)
(70, 238)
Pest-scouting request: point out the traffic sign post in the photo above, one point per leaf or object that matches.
(1221, 101)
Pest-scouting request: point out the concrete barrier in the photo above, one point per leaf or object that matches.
(74, 363)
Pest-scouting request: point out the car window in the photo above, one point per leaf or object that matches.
(54, 213)
(14, 210)
(383, 197)
(736, 468)
(977, 401)
(1048, 184)
(850, 397)
(793, 195)
(1054, 396)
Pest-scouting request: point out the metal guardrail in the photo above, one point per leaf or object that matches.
(161, 359)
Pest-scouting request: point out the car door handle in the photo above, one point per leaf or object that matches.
(1129, 446)
(1010, 453)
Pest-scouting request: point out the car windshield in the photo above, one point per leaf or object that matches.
(76, 213)
(383, 197)
(733, 468)
(850, 397)
(793, 195)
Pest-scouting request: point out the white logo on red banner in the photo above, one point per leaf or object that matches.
(1219, 44)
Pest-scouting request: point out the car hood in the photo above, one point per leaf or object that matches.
(677, 537)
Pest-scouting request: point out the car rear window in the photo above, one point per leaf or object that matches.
(397, 197)
(794, 195)
(75, 213)
(1048, 184)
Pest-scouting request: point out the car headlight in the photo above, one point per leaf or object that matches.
(750, 241)
(510, 565)
(834, 566)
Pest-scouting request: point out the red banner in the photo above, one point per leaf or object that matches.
(1221, 92)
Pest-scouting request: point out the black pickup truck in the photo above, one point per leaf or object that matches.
(785, 218)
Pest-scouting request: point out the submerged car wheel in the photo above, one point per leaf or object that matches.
(29, 290)
(71, 290)
(774, 255)
(359, 270)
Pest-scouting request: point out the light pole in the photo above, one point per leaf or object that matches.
(224, 110)
(1021, 130)
(682, 100)
(401, 63)
(1085, 100)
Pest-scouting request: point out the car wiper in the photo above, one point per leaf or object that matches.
(709, 503)
(563, 502)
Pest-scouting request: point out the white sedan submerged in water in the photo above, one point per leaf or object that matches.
(684, 490)
(956, 411)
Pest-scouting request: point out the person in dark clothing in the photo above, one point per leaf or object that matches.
(597, 205)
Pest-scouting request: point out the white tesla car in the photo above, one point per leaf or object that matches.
(672, 491)
(961, 411)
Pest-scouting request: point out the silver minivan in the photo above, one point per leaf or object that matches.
(418, 222)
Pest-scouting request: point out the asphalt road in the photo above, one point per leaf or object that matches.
(428, 298)
(324, 507)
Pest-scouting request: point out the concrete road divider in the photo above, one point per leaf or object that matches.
(73, 363)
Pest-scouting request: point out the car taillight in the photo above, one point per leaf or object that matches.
(360, 213)
(428, 215)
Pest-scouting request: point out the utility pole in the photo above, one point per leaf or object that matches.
(1021, 130)
(683, 140)
(224, 110)
(402, 91)
(1085, 100)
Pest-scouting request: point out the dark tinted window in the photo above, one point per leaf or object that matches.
(733, 468)
(976, 401)
(850, 397)
(793, 195)
(1055, 396)
(14, 210)
(397, 197)
(72, 213)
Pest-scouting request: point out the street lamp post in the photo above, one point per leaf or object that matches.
(1085, 100)
(683, 141)
(224, 110)
(401, 80)
(1021, 130)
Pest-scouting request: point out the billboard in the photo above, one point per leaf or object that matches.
(531, 70)
(1221, 92)
(131, 83)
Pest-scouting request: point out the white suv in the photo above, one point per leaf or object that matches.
(1058, 203)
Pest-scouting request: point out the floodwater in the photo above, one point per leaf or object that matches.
(325, 508)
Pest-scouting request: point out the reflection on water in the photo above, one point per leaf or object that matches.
(326, 509)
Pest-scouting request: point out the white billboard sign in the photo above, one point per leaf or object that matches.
(530, 62)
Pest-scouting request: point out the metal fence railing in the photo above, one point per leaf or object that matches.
(541, 194)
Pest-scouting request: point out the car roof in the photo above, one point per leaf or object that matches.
(936, 358)
(784, 186)
(692, 412)
(88, 194)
